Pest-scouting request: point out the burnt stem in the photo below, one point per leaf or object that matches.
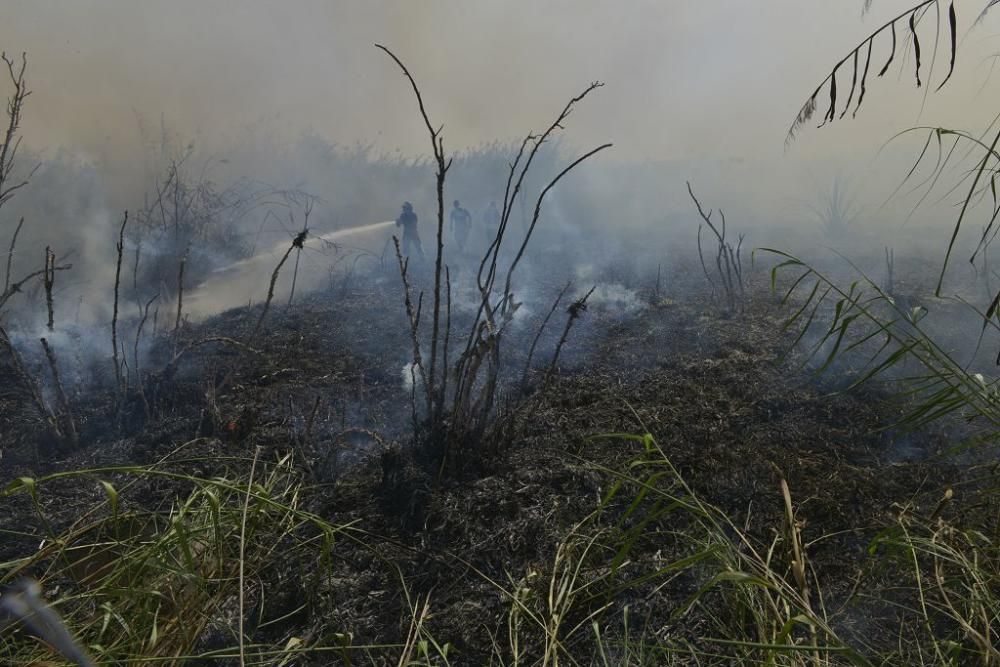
(30, 385)
(114, 316)
(180, 301)
(135, 355)
(541, 329)
(49, 279)
(10, 254)
(413, 315)
(15, 288)
(65, 413)
(575, 310)
(298, 255)
(297, 242)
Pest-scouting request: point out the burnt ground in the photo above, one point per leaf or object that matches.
(732, 413)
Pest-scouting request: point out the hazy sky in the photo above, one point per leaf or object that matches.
(714, 78)
(713, 84)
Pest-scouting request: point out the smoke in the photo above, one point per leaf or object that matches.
(256, 99)
(685, 79)
(701, 91)
(615, 298)
(409, 374)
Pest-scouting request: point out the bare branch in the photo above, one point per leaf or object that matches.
(65, 413)
(10, 254)
(120, 247)
(15, 287)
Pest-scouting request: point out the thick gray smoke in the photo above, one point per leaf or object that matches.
(712, 78)
(254, 98)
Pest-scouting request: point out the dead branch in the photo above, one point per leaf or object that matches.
(728, 263)
(120, 246)
(704, 267)
(10, 253)
(459, 423)
(65, 413)
(49, 280)
(297, 242)
(180, 300)
(127, 375)
(515, 180)
(31, 386)
(414, 319)
(541, 329)
(135, 352)
(575, 310)
(538, 210)
(511, 193)
(11, 140)
(307, 210)
(15, 287)
(468, 366)
(135, 267)
(447, 337)
(437, 144)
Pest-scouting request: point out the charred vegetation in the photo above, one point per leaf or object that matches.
(467, 407)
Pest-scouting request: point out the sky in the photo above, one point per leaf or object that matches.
(705, 78)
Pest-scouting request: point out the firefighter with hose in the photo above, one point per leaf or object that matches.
(408, 221)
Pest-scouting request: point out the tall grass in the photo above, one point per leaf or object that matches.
(834, 322)
(141, 586)
(763, 602)
(945, 573)
(198, 581)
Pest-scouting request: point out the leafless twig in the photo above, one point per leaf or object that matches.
(413, 316)
(180, 300)
(30, 385)
(728, 262)
(306, 211)
(437, 144)
(538, 334)
(460, 419)
(10, 253)
(65, 413)
(49, 280)
(15, 287)
(11, 140)
(575, 310)
(135, 352)
(120, 246)
(297, 242)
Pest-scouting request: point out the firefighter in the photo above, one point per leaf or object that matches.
(461, 224)
(408, 221)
